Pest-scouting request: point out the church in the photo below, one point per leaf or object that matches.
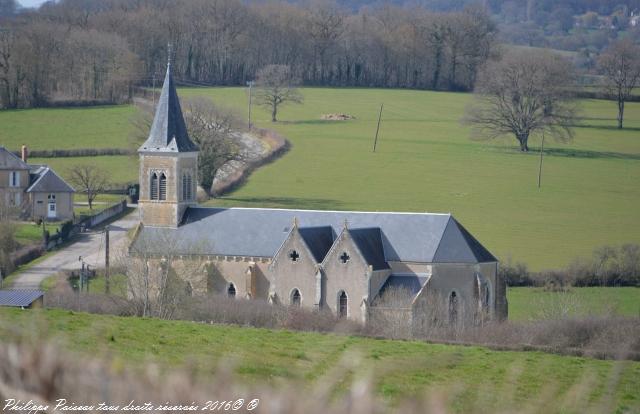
(344, 262)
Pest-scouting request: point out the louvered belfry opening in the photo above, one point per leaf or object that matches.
(187, 193)
(163, 187)
(154, 186)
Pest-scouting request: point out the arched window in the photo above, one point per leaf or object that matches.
(453, 308)
(163, 187)
(342, 305)
(295, 297)
(187, 192)
(231, 290)
(153, 191)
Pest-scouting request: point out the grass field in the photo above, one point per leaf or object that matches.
(425, 161)
(66, 128)
(121, 169)
(480, 379)
(27, 233)
(533, 303)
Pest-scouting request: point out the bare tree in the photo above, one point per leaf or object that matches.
(91, 179)
(215, 131)
(276, 86)
(523, 93)
(620, 64)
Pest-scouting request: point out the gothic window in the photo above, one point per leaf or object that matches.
(294, 256)
(154, 187)
(344, 257)
(163, 187)
(231, 290)
(342, 305)
(295, 297)
(187, 188)
(453, 308)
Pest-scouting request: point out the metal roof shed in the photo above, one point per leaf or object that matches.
(21, 298)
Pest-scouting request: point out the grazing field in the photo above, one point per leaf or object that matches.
(121, 169)
(478, 378)
(66, 128)
(527, 303)
(424, 161)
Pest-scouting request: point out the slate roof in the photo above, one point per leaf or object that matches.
(459, 246)
(168, 132)
(19, 298)
(10, 161)
(45, 180)
(410, 283)
(369, 242)
(318, 239)
(259, 232)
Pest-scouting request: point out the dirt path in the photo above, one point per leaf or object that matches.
(88, 245)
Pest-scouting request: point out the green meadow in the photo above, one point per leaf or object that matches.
(475, 379)
(526, 303)
(425, 161)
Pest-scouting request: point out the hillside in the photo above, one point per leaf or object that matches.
(476, 378)
(425, 161)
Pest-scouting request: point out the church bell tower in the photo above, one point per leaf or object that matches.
(168, 163)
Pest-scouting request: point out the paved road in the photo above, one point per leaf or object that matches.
(88, 245)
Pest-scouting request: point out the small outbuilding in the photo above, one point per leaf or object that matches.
(24, 299)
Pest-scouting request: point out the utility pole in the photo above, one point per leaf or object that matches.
(375, 141)
(250, 85)
(106, 260)
(540, 167)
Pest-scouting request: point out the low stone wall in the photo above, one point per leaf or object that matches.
(104, 215)
(278, 146)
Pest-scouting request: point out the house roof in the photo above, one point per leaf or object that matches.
(45, 180)
(10, 161)
(19, 298)
(369, 242)
(259, 232)
(168, 132)
(410, 284)
(318, 239)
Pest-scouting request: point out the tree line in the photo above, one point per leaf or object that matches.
(99, 50)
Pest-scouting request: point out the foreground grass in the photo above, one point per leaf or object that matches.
(425, 161)
(526, 303)
(27, 233)
(495, 380)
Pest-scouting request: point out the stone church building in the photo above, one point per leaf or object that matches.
(341, 261)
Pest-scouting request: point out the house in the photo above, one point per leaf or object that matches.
(24, 299)
(36, 191)
(345, 262)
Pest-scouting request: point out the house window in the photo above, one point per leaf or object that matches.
(295, 297)
(231, 291)
(14, 179)
(294, 256)
(154, 186)
(453, 308)
(344, 257)
(163, 187)
(342, 304)
(51, 198)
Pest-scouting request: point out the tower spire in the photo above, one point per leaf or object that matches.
(168, 131)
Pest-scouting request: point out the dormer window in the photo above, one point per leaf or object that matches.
(294, 256)
(344, 257)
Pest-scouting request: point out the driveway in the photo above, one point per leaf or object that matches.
(89, 245)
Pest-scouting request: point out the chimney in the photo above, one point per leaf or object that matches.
(25, 153)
